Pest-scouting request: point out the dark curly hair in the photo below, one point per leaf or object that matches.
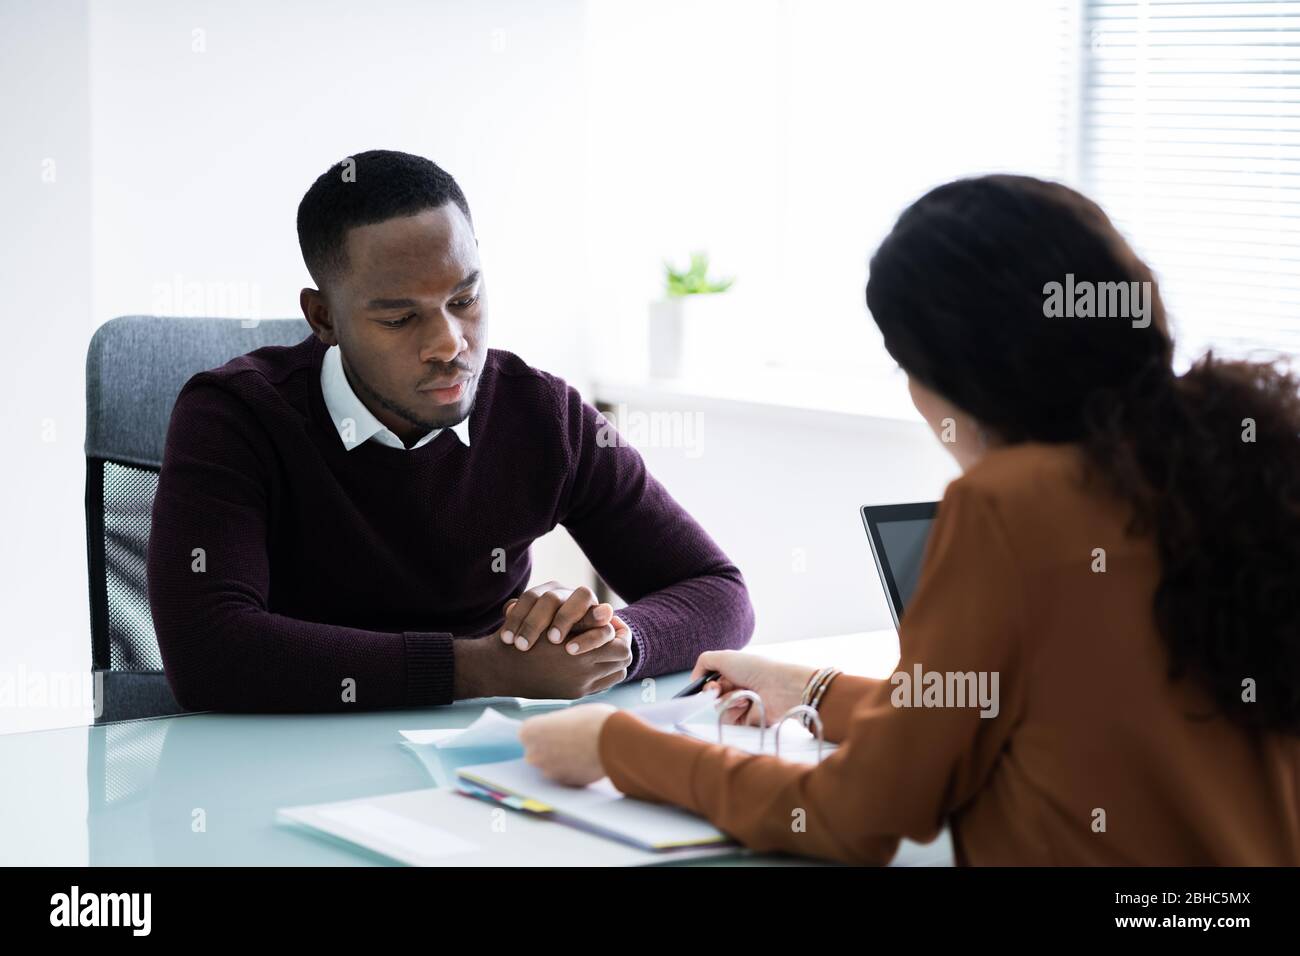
(1209, 461)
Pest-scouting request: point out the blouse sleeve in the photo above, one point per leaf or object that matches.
(916, 749)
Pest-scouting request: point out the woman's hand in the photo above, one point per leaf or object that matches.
(779, 685)
(565, 745)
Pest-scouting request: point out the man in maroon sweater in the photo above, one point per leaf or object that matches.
(345, 523)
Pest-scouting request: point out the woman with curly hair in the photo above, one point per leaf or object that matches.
(1122, 550)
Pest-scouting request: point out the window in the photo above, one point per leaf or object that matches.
(1191, 141)
(785, 136)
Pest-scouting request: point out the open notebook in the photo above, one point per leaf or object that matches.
(598, 808)
(603, 826)
(797, 743)
(601, 808)
(440, 827)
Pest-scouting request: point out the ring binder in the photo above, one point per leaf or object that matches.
(809, 714)
(806, 714)
(725, 704)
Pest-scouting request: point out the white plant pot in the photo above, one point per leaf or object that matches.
(666, 338)
(691, 336)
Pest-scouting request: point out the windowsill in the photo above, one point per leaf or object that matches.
(830, 397)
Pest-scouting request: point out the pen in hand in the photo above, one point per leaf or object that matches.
(697, 685)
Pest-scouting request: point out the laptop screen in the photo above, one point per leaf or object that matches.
(898, 534)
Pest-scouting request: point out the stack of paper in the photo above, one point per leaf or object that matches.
(439, 826)
(797, 743)
(505, 778)
(493, 730)
(435, 827)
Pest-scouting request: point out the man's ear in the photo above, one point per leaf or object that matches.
(316, 311)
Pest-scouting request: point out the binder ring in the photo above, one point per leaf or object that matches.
(725, 704)
(808, 714)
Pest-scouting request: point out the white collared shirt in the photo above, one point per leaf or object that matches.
(356, 424)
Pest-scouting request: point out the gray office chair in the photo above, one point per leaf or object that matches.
(135, 368)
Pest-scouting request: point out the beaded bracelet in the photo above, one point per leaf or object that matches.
(821, 691)
(816, 688)
(813, 683)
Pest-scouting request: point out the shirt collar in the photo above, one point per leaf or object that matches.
(356, 424)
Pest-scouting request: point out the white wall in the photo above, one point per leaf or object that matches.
(201, 158)
(785, 136)
(211, 120)
(45, 255)
(593, 139)
(779, 490)
(181, 158)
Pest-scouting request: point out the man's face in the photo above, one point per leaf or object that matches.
(410, 317)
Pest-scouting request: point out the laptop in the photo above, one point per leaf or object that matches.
(898, 534)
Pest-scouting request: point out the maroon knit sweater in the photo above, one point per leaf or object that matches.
(320, 564)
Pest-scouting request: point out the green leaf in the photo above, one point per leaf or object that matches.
(694, 280)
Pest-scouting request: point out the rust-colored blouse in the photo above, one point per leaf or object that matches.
(1094, 756)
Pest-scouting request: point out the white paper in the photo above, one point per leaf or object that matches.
(676, 709)
(390, 832)
(797, 743)
(491, 730)
(527, 703)
(494, 729)
(523, 703)
(525, 840)
(435, 737)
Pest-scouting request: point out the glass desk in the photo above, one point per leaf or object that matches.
(202, 789)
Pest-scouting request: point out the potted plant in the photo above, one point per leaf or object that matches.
(685, 324)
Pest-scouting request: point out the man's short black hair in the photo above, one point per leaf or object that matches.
(363, 189)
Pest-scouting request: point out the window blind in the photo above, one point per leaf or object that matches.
(1190, 139)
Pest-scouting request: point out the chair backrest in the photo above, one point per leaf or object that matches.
(135, 367)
